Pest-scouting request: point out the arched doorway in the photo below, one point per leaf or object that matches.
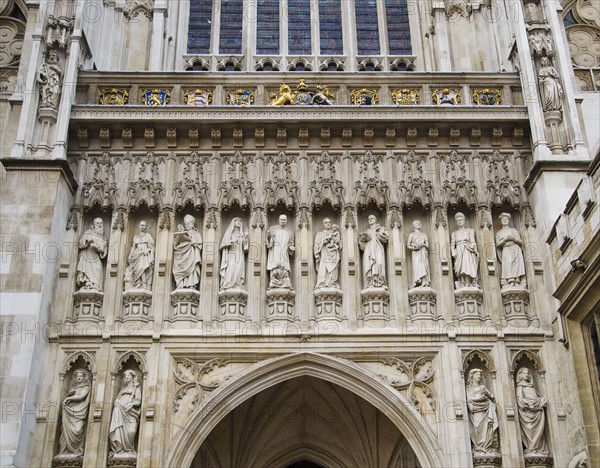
(305, 422)
(375, 414)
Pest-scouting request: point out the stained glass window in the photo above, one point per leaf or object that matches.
(330, 21)
(267, 27)
(367, 29)
(200, 23)
(398, 27)
(232, 14)
(299, 27)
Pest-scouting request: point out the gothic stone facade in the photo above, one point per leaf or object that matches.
(143, 321)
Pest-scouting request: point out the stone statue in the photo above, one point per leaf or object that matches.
(233, 260)
(285, 97)
(418, 243)
(187, 255)
(74, 415)
(322, 96)
(531, 414)
(551, 88)
(327, 249)
(93, 247)
(509, 244)
(280, 245)
(482, 414)
(371, 242)
(464, 252)
(140, 266)
(126, 415)
(49, 79)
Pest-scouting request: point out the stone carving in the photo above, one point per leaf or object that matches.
(371, 242)
(464, 252)
(327, 249)
(482, 415)
(510, 253)
(75, 408)
(551, 88)
(240, 97)
(280, 245)
(487, 97)
(140, 268)
(531, 414)
(113, 96)
(93, 247)
(197, 97)
(187, 255)
(156, 97)
(364, 97)
(323, 97)
(446, 97)
(418, 243)
(233, 260)
(285, 97)
(125, 416)
(406, 97)
(50, 79)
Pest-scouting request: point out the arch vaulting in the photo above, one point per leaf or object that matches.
(345, 374)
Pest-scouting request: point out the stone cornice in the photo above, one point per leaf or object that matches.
(265, 114)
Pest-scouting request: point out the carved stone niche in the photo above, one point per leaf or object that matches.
(185, 305)
(87, 305)
(515, 301)
(469, 305)
(328, 302)
(280, 304)
(232, 304)
(422, 304)
(136, 304)
(375, 306)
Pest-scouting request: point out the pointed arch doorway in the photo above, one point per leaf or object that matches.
(306, 410)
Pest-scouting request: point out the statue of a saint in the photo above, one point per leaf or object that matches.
(327, 249)
(187, 254)
(93, 247)
(418, 243)
(371, 242)
(509, 244)
(49, 79)
(551, 88)
(464, 252)
(233, 259)
(141, 260)
(531, 414)
(482, 414)
(126, 415)
(280, 245)
(74, 415)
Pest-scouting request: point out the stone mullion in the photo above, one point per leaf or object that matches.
(396, 255)
(258, 277)
(305, 280)
(454, 432)
(503, 390)
(116, 262)
(249, 33)
(349, 34)
(163, 256)
(441, 37)
(441, 236)
(157, 38)
(350, 303)
(96, 444)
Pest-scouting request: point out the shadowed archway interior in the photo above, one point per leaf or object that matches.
(305, 422)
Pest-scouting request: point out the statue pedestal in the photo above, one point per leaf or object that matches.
(553, 120)
(136, 304)
(469, 304)
(328, 302)
(487, 460)
(516, 306)
(87, 304)
(422, 301)
(185, 304)
(67, 460)
(533, 460)
(122, 460)
(232, 304)
(375, 304)
(280, 304)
